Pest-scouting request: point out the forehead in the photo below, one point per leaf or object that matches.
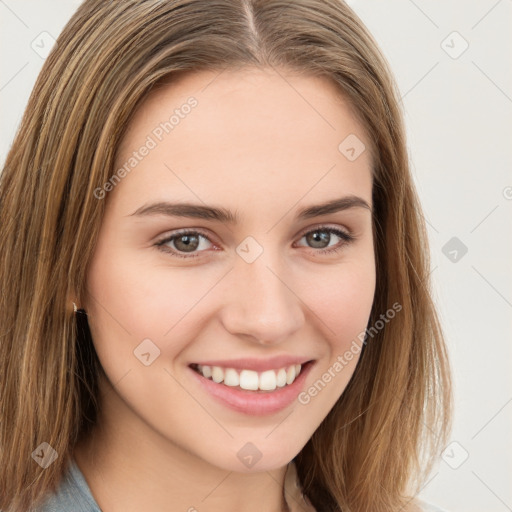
(250, 129)
(299, 105)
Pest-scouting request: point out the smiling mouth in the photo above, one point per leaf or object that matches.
(250, 380)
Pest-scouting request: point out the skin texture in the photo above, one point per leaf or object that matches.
(263, 145)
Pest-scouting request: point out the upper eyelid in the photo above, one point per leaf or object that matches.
(333, 229)
(184, 231)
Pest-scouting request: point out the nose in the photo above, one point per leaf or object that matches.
(261, 303)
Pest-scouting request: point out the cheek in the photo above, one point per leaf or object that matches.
(342, 297)
(131, 299)
(141, 318)
(341, 300)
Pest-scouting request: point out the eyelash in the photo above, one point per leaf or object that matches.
(346, 237)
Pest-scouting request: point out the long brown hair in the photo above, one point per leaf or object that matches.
(392, 419)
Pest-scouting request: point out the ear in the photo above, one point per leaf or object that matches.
(71, 298)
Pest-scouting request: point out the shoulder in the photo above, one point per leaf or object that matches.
(296, 500)
(72, 494)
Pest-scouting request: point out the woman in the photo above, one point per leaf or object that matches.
(219, 296)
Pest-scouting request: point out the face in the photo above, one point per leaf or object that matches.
(224, 316)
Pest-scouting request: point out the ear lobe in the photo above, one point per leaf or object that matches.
(72, 302)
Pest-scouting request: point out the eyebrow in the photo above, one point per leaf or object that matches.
(197, 211)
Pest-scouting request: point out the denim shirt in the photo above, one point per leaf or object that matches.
(74, 495)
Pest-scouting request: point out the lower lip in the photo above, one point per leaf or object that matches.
(254, 402)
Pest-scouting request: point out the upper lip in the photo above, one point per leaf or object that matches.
(257, 365)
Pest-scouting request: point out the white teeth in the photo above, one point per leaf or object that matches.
(281, 378)
(231, 377)
(290, 375)
(268, 380)
(249, 380)
(217, 374)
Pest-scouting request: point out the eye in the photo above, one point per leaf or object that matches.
(322, 235)
(184, 242)
(189, 244)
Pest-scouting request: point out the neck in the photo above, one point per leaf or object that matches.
(130, 466)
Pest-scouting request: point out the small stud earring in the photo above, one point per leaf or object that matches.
(78, 310)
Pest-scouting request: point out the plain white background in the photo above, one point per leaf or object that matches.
(451, 61)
